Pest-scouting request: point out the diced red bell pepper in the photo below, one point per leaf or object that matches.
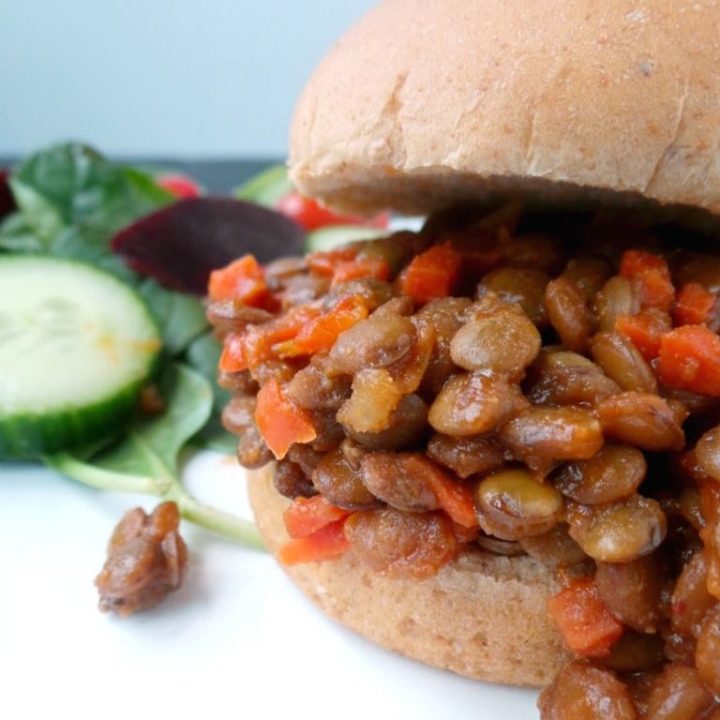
(651, 276)
(328, 543)
(280, 422)
(242, 280)
(308, 515)
(431, 274)
(689, 359)
(584, 620)
(320, 333)
(693, 305)
(644, 330)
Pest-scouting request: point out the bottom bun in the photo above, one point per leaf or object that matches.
(483, 616)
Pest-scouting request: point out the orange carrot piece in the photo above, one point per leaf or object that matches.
(320, 333)
(651, 276)
(280, 422)
(431, 274)
(584, 620)
(326, 262)
(308, 515)
(644, 330)
(693, 305)
(241, 280)
(359, 268)
(689, 359)
(233, 354)
(454, 498)
(328, 543)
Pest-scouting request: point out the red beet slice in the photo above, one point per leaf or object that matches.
(179, 245)
(7, 201)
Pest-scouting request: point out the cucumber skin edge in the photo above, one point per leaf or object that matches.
(30, 436)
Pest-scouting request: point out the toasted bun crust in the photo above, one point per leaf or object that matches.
(483, 616)
(427, 102)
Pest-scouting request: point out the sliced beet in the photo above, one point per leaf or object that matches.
(7, 201)
(179, 245)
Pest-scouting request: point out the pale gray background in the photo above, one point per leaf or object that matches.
(188, 78)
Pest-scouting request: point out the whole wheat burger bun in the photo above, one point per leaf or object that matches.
(426, 102)
(483, 616)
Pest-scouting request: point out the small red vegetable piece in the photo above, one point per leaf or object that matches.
(651, 276)
(431, 274)
(309, 214)
(308, 515)
(644, 330)
(181, 186)
(242, 280)
(689, 359)
(693, 305)
(328, 543)
(587, 625)
(280, 422)
(320, 333)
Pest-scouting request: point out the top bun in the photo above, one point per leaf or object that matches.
(428, 102)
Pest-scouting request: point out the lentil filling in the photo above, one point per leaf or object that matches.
(515, 383)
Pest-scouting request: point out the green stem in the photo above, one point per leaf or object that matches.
(101, 479)
(217, 521)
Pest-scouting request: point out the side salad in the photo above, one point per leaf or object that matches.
(107, 361)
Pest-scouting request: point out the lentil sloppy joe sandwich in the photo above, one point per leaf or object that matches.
(493, 444)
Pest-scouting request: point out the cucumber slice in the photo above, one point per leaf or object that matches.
(76, 345)
(334, 236)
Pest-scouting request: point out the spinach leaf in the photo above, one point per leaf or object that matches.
(152, 446)
(181, 318)
(72, 184)
(147, 457)
(203, 355)
(18, 237)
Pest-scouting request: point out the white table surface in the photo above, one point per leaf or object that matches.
(237, 641)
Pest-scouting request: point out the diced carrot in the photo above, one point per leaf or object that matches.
(325, 263)
(689, 359)
(367, 267)
(242, 280)
(584, 620)
(307, 515)
(693, 305)
(453, 497)
(644, 330)
(431, 274)
(651, 276)
(233, 354)
(328, 543)
(320, 333)
(280, 422)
